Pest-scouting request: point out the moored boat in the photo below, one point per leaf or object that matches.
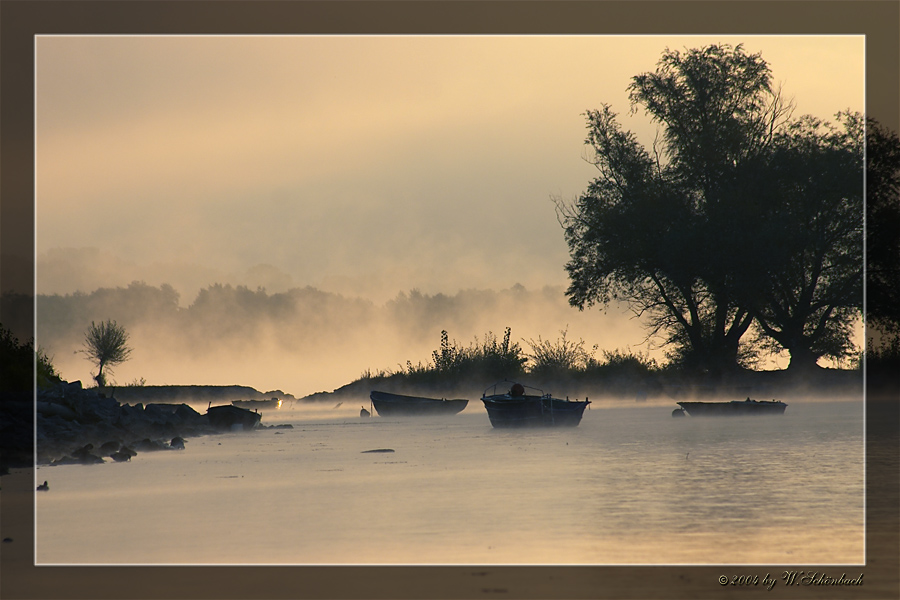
(517, 408)
(391, 405)
(228, 417)
(258, 404)
(733, 408)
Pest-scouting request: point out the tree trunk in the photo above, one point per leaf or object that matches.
(802, 359)
(100, 378)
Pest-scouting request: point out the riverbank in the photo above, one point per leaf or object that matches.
(92, 425)
(659, 385)
(73, 425)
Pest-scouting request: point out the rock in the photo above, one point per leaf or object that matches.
(159, 413)
(53, 409)
(186, 413)
(109, 448)
(69, 419)
(148, 445)
(121, 456)
(86, 456)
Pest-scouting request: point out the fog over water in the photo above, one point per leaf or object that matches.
(305, 340)
(629, 485)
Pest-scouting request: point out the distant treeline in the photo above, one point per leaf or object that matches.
(218, 314)
(300, 315)
(305, 323)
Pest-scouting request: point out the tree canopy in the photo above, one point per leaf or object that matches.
(741, 215)
(106, 344)
(883, 228)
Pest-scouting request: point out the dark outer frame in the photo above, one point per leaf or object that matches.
(21, 20)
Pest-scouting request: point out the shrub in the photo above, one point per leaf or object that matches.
(22, 366)
(561, 357)
(454, 363)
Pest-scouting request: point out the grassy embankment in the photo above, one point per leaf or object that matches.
(567, 368)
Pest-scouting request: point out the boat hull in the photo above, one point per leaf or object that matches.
(733, 408)
(397, 405)
(231, 418)
(507, 411)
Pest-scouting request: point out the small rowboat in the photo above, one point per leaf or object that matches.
(392, 405)
(733, 408)
(516, 408)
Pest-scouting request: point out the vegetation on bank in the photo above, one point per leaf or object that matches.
(566, 366)
(454, 366)
(21, 366)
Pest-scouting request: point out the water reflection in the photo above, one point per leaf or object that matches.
(630, 485)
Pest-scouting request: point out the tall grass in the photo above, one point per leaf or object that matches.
(484, 358)
(489, 359)
(562, 357)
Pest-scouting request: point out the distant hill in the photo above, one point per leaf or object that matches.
(176, 394)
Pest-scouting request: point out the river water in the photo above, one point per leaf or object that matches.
(631, 485)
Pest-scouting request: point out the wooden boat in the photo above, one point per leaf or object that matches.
(517, 408)
(258, 404)
(393, 405)
(231, 418)
(732, 408)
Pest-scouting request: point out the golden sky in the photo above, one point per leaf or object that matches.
(366, 164)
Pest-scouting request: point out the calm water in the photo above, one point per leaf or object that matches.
(630, 485)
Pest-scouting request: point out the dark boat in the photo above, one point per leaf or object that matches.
(258, 404)
(733, 408)
(517, 408)
(393, 405)
(232, 418)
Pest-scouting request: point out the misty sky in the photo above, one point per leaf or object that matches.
(357, 164)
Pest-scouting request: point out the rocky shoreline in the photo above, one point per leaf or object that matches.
(86, 426)
(82, 426)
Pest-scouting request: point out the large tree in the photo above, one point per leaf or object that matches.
(698, 236)
(809, 237)
(883, 230)
(660, 231)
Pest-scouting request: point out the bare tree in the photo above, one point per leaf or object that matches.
(105, 344)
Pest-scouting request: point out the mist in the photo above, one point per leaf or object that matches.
(298, 210)
(363, 165)
(303, 340)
